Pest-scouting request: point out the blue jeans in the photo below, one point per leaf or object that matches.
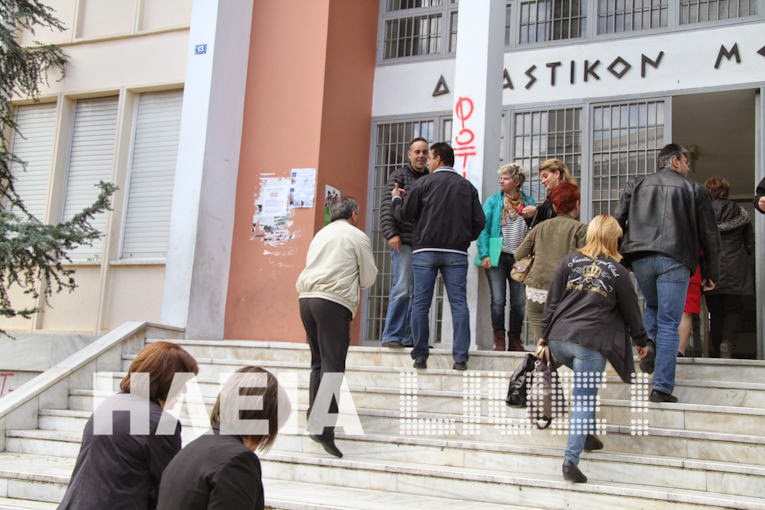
(425, 268)
(588, 366)
(399, 317)
(664, 283)
(498, 276)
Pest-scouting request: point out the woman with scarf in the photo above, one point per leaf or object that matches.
(507, 216)
(552, 172)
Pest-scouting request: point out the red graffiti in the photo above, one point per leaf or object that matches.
(5, 379)
(463, 110)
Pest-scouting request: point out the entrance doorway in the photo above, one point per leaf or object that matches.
(719, 131)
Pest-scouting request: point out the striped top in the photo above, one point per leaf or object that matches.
(513, 232)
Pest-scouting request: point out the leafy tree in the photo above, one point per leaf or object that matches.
(31, 252)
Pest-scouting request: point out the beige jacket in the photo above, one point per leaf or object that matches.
(339, 263)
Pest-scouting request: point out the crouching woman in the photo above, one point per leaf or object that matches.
(591, 311)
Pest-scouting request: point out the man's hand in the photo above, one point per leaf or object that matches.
(642, 351)
(397, 192)
(486, 263)
(708, 285)
(395, 243)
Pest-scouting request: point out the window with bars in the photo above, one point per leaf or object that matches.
(551, 20)
(616, 16)
(419, 27)
(391, 145)
(699, 11)
(543, 134)
(626, 138)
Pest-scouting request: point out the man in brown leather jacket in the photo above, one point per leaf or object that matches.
(667, 220)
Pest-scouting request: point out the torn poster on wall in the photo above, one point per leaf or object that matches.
(302, 187)
(331, 194)
(272, 217)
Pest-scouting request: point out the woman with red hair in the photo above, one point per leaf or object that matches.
(549, 242)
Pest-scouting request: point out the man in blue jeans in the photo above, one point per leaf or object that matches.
(398, 331)
(447, 216)
(668, 221)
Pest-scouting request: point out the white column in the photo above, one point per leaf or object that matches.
(477, 112)
(201, 225)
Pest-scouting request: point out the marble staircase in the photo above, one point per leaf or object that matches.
(459, 444)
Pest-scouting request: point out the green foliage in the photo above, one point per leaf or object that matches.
(31, 252)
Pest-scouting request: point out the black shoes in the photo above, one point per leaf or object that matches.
(571, 473)
(394, 344)
(592, 443)
(421, 363)
(660, 396)
(648, 362)
(460, 365)
(328, 444)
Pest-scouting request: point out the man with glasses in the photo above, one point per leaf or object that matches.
(668, 221)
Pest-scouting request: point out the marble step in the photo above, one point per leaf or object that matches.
(490, 486)
(744, 394)
(656, 441)
(295, 495)
(34, 477)
(24, 504)
(603, 466)
(254, 352)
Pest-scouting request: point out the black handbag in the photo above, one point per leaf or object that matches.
(516, 391)
(545, 392)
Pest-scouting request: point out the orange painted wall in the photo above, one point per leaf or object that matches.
(308, 105)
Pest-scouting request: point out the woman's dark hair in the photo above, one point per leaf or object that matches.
(251, 381)
(564, 197)
(161, 360)
(718, 187)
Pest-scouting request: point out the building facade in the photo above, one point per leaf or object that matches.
(270, 105)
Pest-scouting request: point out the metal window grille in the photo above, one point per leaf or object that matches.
(551, 20)
(626, 138)
(414, 28)
(627, 15)
(391, 145)
(542, 134)
(699, 11)
(508, 22)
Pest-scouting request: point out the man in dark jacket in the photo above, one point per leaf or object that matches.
(398, 331)
(447, 216)
(667, 220)
(759, 197)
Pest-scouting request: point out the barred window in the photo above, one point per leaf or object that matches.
(626, 138)
(544, 134)
(551, 20)
(391, 146)
(699, 11)
(419, 27)
(627, 15)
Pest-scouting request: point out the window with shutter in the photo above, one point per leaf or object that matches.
(151, 174)
(34, 146)
(90, 161)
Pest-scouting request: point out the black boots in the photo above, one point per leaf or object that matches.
(571, 472)
(327, 441)
(499, 340)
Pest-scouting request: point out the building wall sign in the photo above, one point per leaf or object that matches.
(655, 64)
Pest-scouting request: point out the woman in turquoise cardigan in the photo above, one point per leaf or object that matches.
(507, 216)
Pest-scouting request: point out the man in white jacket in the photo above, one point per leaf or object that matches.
(339, 263)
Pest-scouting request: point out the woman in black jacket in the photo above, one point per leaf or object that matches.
(735, 281)
(552, 172)
(591, 312)
(220, 469)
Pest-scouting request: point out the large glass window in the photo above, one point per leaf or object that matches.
(551, 20)
(542, 134)
(419, 27)
(626, 15)
(626, 137)
(699, 11)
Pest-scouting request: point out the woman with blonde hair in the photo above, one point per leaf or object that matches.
(591, 312)
(507, 216)
(551, 172)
